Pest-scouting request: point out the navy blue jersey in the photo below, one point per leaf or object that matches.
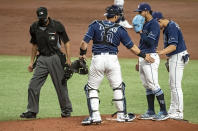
(151, 30)
(173, 36)
(115, 35)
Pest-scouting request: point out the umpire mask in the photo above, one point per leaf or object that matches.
(43, 21)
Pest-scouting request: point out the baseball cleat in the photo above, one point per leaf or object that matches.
(28, 115)
(125, 24)
(160, 117)
(175, 116)
(146, 116)
(90, 121)
(125, 118)
(65, 114)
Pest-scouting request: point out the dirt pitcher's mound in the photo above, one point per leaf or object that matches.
(74, 124)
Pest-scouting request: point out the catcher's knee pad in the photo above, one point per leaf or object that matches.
(119, 98)
(92, 99)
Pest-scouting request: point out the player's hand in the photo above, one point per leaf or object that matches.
(137, 67)
(149, 59)
(68, 61)
(160, 52)
(30, 67)
(82, 57)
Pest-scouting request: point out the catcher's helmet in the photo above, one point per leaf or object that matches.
(113, 10)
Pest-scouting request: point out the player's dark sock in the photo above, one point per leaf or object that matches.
(150, 101)
(162, 104)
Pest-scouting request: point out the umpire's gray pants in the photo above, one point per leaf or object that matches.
(48, 65)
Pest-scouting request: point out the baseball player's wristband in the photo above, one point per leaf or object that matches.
(83, 52)
(143, 55)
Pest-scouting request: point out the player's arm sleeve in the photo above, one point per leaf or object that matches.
(152, 35)
(62, 33)
(147, 40)
(33, 35)
(173, 36)
(89, 35)
(125, 39)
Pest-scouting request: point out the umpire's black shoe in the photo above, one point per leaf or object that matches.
(28, 114)
(65, 114)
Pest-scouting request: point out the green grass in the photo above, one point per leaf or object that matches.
(14, 80)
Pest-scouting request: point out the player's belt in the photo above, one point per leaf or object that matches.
(100, 53)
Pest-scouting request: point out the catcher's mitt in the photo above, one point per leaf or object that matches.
(138, 22)
(80, 67)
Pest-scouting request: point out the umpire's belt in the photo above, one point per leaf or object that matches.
(47, 54)
(105, 53)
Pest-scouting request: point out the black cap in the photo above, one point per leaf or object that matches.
(42, 12)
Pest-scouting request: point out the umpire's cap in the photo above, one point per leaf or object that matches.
(143, 7)
(157, 15)
(112, 11)
(42, 12)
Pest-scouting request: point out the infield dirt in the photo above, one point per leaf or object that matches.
(17, 15)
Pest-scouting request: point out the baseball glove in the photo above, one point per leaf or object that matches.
(80, 67)
(138, 22)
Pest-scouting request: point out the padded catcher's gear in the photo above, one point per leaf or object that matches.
(113, 10)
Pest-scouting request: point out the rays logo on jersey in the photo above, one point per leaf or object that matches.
(171, 39)
(151, 35)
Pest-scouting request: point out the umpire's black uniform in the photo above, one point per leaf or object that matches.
(47, 38)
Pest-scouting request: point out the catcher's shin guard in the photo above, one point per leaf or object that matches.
(92, 101)
(119, 99)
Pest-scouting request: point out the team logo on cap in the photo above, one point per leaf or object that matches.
(41, 13)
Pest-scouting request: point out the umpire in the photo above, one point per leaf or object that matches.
(46, 36)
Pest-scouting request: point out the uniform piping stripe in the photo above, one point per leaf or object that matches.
(88, 36)
(175, 81)
(152, 37)
(152, 75)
